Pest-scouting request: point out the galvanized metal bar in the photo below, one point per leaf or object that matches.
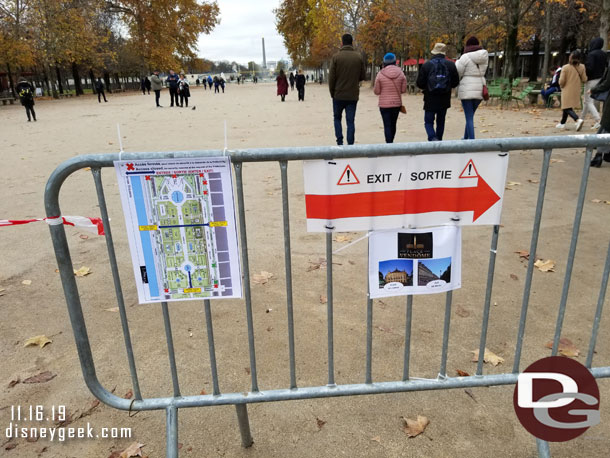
(532, 258)
(572, 252)
(543, 448)
(244, 425)
(407, 356)
(246, 265)
(598, 311)
(171, 428)
(486, 307)
(288, 264)
(170, 349)
(329, 306)
(212, 349)
(443, 371)
(369, 338)
(116, 278)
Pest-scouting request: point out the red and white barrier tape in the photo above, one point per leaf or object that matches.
(94, 225)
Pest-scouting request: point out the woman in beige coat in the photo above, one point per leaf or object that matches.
(573, 75)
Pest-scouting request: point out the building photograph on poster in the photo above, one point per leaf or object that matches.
(416, 261)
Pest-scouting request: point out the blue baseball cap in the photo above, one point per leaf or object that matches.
(389, 58)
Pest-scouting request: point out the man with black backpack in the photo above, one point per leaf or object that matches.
(436, 78)
(26, 96)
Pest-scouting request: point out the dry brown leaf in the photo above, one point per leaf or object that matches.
(488, 357)
(343, 238)
(320, 423)
(247, 369)
(566, 347)
(523, 254)
(376, 439)
(112, 309)
(556, 160)
(41, 341)
(607, 202)
(413, 428)
(40, 378)
(134, 449)
(26, 282)
(596, 201)
(514, 183)
(262, 278)
(545, 266)
(321, 264)
(461, 311)
(462, 373)
(534, 181)
(323, 299)
(128, 395)
(14, 382)
(484, 131)
(82, 272)
(514, 277)
(203, 392)
(384, 329)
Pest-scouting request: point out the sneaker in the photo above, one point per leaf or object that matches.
(596, 126)
(560, 126)
(579, 124)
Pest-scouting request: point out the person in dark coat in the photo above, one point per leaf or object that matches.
(282, 85)
(595, 65)
(26, 96)
(143, 86)
(99, 88)
(216, 84)
(148, 84)
(436, 78)
(602, 153)
(172, 81)
(300, 83)
(292, 79)
(184, 91)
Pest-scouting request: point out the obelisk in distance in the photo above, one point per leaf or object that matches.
(264, 57)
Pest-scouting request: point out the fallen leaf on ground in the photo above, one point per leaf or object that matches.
(84, 236)
(556, 160)
(462, 373)
(12, 383)
(112, 309)
(343, 238)
(413, 428)
(321, 264)
(469, 393)
(203, 392)
(484, 131)
(566, 347)
(534, 181)
(26, 282)
(128, 395)
(262, 278)
(40, 378)
(82, 272)
(488, 357)
(514, 277)
(134, 449)
(596, 201)
(461, 311)
(376, 439)
(270, 328)
(41, 341)
(523, 254)
(384, 329)
(320, 423)
(514, 183)
(545, 266)
(10, 446)
(323, 299)
(247, 369)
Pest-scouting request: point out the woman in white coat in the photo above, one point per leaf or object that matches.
(471, 67)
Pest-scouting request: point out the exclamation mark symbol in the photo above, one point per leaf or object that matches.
(469, 168)
(347, 175)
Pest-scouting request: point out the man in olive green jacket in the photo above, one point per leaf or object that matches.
(346, 71)
(156, 85)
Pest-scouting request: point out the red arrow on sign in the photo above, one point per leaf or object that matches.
(477, 199)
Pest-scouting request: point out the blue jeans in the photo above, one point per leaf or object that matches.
(350, 113)
(440, 124)
(389, 117)
(545, 93)
(470, 106)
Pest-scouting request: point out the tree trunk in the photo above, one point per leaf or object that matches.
(107, 81)
(547, 42)
(78, 87)
(51, 88)
(533, 73)
(604, 21)
(512, 48)
(92, 77)
(61, 87)
(10, 80)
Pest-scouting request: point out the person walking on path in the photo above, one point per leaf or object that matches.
(390, 84)
(292, 79)
(143, 86)
(300, 83)
(99, 88)
(603, 153)
(216, 84)
(210, 81)
(25, 91)
(471, 67)
(346, 71)
(282, 85)
(172, 80)
(156, 85)
(436, 78)
(184, 90)
(573, 74)
(147, 84)
(595, 65)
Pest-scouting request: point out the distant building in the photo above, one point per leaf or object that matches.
(399, 276)
(424, 275)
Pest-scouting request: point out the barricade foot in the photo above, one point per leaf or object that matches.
(171, 426)
(244, 425)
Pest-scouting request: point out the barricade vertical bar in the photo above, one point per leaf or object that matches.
(329, 305)
(210, 332)
(490, 282)
(246, 265)
(572, 252)
(543, 448)
(532, 257)
(405, 369)
(598, 311)
(244, 425)
(443, 371)
(288, 262)
(171, 427)
(97, 178)
(170, 348)
(369, 338)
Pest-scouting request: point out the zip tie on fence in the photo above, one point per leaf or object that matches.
(352, 243)
(94, 225)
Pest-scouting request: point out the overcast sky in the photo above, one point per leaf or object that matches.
(238, 36)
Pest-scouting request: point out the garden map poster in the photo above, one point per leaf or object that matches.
(180, 220)
(415, 261)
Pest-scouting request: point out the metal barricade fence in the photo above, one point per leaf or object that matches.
(175, 400)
